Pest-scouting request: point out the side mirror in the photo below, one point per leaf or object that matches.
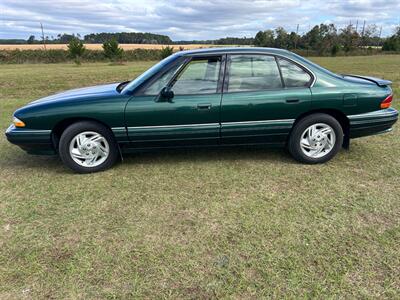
(166, 94)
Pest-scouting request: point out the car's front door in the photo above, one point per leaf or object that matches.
(262, 97)
(190, 117)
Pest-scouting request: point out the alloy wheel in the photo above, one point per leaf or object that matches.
(317, 140)
(89, 149)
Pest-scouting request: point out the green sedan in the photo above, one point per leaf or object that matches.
(209, 97)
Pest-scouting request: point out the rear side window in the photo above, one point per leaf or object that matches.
(253, 73)
(293, 75)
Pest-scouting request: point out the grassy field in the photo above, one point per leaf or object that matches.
(99, 46)
(229, 223)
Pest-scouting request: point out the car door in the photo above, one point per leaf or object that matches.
(189, 117)
(262, 97)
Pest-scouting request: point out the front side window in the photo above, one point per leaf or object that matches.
(156, 87)
(200, 76)
(293, 75)
(253, 73)
(150, 72)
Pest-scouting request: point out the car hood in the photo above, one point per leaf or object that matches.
(98, 90)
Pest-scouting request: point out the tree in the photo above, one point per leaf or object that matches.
(259, 39)
(392, 44)
(370, 36)
(321, 38)
(31, 39)
(112, 50)
(264, 38)
(66, 38)
(76, 50)
(293, 40)
(282, 38)
(349, 38)
(166, 51)
(335, 49)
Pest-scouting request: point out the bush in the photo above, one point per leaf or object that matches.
(335, 49)
(166, 51)
(392, 44)
(112, 50)
(76, 49)
(63, 56)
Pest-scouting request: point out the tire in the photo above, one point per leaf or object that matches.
(87, 147)
(315, 139)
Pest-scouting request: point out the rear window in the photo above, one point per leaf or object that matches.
(293, 75)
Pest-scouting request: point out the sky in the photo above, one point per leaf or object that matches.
(189, 19)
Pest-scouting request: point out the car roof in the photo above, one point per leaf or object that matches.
(223, 50)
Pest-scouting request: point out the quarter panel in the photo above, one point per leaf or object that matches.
(354, 99)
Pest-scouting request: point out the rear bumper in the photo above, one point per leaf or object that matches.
(33, 141)
(375, 122)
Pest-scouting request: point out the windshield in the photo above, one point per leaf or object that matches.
(150, 72)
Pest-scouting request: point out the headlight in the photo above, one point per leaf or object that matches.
(18, 123)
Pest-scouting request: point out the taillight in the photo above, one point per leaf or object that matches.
(387, 102)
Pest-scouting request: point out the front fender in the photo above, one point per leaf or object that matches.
(46, 116)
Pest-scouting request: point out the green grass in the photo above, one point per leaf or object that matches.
(228, 223)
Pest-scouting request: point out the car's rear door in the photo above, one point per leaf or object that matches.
(258, 105)
(191, 117)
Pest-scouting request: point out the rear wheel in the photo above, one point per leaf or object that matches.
(87, 147)
(316, 139)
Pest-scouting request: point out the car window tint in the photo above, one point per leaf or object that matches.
(156, 87)
(199, 77)
(293, 75)
(253, 72)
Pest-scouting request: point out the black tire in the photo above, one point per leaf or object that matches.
(80, 127)
(295, 137)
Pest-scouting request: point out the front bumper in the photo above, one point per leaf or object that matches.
(33, 141)
(375, 122)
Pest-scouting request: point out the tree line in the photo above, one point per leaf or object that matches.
(323, 39)
(128, 38)
(99, 38)
(326, 38)
(222, 41)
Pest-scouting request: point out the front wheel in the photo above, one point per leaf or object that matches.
(87, 147)
(316, 139)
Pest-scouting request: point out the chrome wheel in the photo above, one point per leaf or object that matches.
(317, 140)
(89, 149)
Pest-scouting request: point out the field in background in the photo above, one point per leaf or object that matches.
(225, 223)
(99, 46)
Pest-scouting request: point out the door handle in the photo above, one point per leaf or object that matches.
(204, 106)
(292, 100)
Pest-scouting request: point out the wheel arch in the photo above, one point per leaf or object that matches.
(59, 128)
(335, 113)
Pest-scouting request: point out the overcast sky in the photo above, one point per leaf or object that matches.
(188, 19)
